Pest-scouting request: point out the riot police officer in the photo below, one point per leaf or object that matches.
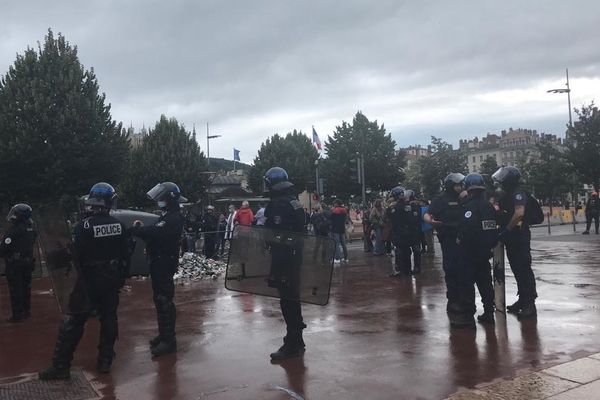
(285, 212)
(477, 236)
(444, 214)
(405, 216)
(101, 245)
(17, 250)
(162, 246)
(516, 236)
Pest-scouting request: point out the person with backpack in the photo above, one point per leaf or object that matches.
(477, 236)
(321, 222)
(518, 210)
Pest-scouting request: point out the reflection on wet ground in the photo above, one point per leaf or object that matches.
(379, 337)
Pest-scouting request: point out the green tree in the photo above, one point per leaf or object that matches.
(549, 173)
(583, 143)
(293, 152)
(383, 165)
(168, 153)
(57, 137)
(443, 160)
(488, 167)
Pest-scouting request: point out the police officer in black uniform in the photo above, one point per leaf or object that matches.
(445, 212)
(477, 236)
(405, 216)
(102, 247)
(162, 246)
(285, 212)
(17, 250)
(516, 236)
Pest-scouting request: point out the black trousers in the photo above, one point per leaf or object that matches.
(450, 264)
(209, 245)
(475, 269)
(162, 270)
(589, 219)
(97, 289)
(518, 251)
(18, 277)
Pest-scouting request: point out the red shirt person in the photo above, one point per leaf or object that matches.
(244, 215)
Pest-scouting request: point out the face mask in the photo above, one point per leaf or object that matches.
(162, 204)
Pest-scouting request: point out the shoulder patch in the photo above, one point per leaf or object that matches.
(7, 240)
(407, 208)
(519, 196)
(160, 224)
(86, 223)
(488, 225)
(296, 204)
(468, 214)
(107, 230)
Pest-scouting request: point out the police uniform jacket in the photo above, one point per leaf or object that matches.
(477, 229)
(592, 208)
(406, 223)
(447, 209)
(508, 202)
(285, 212)
(100, 240)
(163, 238)
(17, 244)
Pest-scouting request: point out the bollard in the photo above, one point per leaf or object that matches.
(548, 215)
(574, 226)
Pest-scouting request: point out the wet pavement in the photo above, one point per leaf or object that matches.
(378, 338)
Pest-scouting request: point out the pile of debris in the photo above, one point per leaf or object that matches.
(193, 267)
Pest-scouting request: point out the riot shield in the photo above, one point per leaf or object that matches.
(139, 265)
(499, 282)
(55, 236)
(281, 264)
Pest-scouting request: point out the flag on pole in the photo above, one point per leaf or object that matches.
(236, 154)
(316, 140)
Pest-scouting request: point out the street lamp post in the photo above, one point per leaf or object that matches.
(568, 92)
(208, 137)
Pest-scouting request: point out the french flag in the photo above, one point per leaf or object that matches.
(316, 140)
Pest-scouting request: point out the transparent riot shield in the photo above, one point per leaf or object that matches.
(139, 264)
(281, 264)
(499, 282)
(55, 237)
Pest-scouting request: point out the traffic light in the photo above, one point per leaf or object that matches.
(355, 170)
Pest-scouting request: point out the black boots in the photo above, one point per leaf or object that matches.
(293, 346)
(55, 372)
(514, 308)
(487, 317)
(528, 311)
(165, 346)
(462, 320)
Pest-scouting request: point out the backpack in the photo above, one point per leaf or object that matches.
(534, 215)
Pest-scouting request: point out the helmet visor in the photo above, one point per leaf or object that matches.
(499, 175)
(157, 192)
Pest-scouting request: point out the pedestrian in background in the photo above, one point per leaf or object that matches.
(338, 230)
(377, 222)
(244, 216)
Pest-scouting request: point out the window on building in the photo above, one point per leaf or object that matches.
(494, 156)
(473, 158)
(480, 158)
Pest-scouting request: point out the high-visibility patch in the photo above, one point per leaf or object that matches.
(468, 214)
(107, 230)
(488, 225)
(7, 240)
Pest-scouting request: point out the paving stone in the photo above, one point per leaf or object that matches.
(590, 391)
(583, 370)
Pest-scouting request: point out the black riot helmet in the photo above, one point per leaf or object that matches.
(409, 195)
(473, 182)
(398, 193)
(102, 195)
(19, 212)
(166, 194)
(507, 177)
(454, 178)
(276, 180)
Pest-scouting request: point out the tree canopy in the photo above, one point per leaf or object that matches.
(488, 167)
(383, 165)
(583, 142)
(549, 174)
(168, 153)
(57, 136)
(293, 152)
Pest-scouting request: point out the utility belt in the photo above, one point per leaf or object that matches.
(105, 264)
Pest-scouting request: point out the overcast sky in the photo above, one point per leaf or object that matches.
(453, 69)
